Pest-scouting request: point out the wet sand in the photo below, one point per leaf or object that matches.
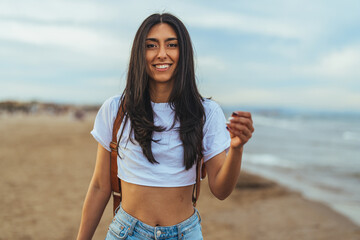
(46, 164)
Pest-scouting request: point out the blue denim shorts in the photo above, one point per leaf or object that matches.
(125, 226)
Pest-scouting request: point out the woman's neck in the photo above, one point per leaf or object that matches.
(160, 92)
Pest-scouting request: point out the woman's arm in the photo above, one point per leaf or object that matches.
(223, 170)
(97, 196)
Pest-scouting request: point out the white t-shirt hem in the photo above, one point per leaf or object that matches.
(224, 147)
(98, 139)
(154, 184)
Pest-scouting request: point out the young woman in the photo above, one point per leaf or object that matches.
(168, 127)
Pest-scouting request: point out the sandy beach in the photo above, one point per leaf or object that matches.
(46, 164)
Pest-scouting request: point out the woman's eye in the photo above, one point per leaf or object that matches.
(172, 45)
(150, 45)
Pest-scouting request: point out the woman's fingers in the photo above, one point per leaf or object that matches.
(240, 129)
(244, 121)
(243, 138)
(242, 114)
(241, 125)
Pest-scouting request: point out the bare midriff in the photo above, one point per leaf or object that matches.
(157, 206)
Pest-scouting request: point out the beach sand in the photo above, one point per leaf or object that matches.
(46, 164)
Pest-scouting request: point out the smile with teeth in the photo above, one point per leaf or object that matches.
(162, 66)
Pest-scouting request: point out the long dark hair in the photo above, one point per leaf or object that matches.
(184, 99)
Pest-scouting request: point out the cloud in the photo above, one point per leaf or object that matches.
(112, 82)
(248, 24)
(72, 37)
(53, 10)
(210, 63)
(341, 65)
(79, 92)
(311, 97)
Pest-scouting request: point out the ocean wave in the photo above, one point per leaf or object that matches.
(351, 136)
(269, 160)
(288, 124)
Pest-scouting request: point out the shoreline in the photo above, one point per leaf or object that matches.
(46, 179)
(309, 192)
(260, 208)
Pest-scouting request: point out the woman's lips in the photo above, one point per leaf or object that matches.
(162, 67)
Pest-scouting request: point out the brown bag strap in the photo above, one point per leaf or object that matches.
(115, 181)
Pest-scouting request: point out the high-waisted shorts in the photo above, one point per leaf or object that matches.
(125, 226)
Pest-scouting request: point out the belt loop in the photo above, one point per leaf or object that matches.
(132, 226)
(179, 233)
(155, 233)
(197, 212)
(117, 209)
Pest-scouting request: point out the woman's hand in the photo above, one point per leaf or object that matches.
(224, 169)
(240, 126)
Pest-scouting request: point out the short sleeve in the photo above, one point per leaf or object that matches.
(104, 121)
(216, 137)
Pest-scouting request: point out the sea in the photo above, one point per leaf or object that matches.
(314, 153)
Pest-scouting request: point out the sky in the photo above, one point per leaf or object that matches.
(279, 53)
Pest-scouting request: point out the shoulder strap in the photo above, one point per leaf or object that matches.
(115, 181)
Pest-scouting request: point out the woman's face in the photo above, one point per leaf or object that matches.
(162, 52)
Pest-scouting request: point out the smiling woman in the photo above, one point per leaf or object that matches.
(162, 52)
(162, 55)
(167, 130)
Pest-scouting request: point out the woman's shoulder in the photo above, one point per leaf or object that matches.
(113, 100)
(210, 106)
(112, 103)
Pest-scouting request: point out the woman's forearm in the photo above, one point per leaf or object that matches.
(228, 174)
(94, 205)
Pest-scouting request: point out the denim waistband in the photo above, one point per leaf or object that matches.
(158, 232)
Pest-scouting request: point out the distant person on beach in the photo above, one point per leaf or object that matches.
(168, 127)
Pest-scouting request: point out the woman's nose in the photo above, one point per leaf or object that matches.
(162, 52)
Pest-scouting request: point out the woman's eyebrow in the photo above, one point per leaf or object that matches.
(156, 40)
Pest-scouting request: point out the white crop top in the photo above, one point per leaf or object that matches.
(168, 151)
